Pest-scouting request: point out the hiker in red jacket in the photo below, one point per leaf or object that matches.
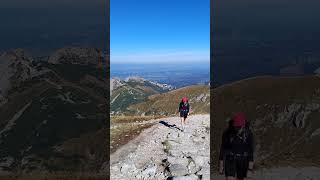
(184, 109)
(236, 153)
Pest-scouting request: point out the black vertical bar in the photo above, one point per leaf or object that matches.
(108, 81)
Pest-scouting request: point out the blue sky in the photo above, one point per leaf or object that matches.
(144, 31)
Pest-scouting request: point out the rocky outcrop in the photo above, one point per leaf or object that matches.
(142, 80)
(163, 86)
(78, 55)
(15, 67)
(163, 151)
(296, 114)
(135, 79)
(114, 84)
(200, 98)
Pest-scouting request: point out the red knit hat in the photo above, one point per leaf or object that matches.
(239, 120)
(184, 99)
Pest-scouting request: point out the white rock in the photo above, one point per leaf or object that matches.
(190, 177)
(192, 167)
(201, 160)
(126, 168)
(205, 177)
(178, 160)
(178, 170)
(151, 171)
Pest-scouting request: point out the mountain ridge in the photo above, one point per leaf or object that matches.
(61, 102)
(131, 91)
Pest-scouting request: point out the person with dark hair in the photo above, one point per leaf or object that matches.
(184, 109)
(236, 152)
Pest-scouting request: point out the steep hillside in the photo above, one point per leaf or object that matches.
(16, 67)
(131, 91)
(284, 114)
(167, 103)
(54, 119)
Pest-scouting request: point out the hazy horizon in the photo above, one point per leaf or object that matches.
(175, 74)
(162, 58)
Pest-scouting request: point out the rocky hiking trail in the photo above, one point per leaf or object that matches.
(163, 151)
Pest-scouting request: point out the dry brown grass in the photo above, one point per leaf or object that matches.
(132, 119)
(122, 134)
(266, 92)
(127, 128)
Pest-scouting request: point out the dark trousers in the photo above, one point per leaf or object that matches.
(183, 113)
(236, 165)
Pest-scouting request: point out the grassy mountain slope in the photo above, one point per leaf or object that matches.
(167, 103)
(284, 114)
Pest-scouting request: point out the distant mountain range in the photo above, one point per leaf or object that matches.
(284, 115)
(53, 113)
(131, 91)
(175, 74)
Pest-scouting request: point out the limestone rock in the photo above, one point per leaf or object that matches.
(150, 171)
(190, 177)
(78, 55)
(178, 170)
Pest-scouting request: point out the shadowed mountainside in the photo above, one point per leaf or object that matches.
(283, 113)
(53, 113)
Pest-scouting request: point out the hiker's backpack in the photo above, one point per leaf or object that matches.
(185, 106)
(244, 135)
